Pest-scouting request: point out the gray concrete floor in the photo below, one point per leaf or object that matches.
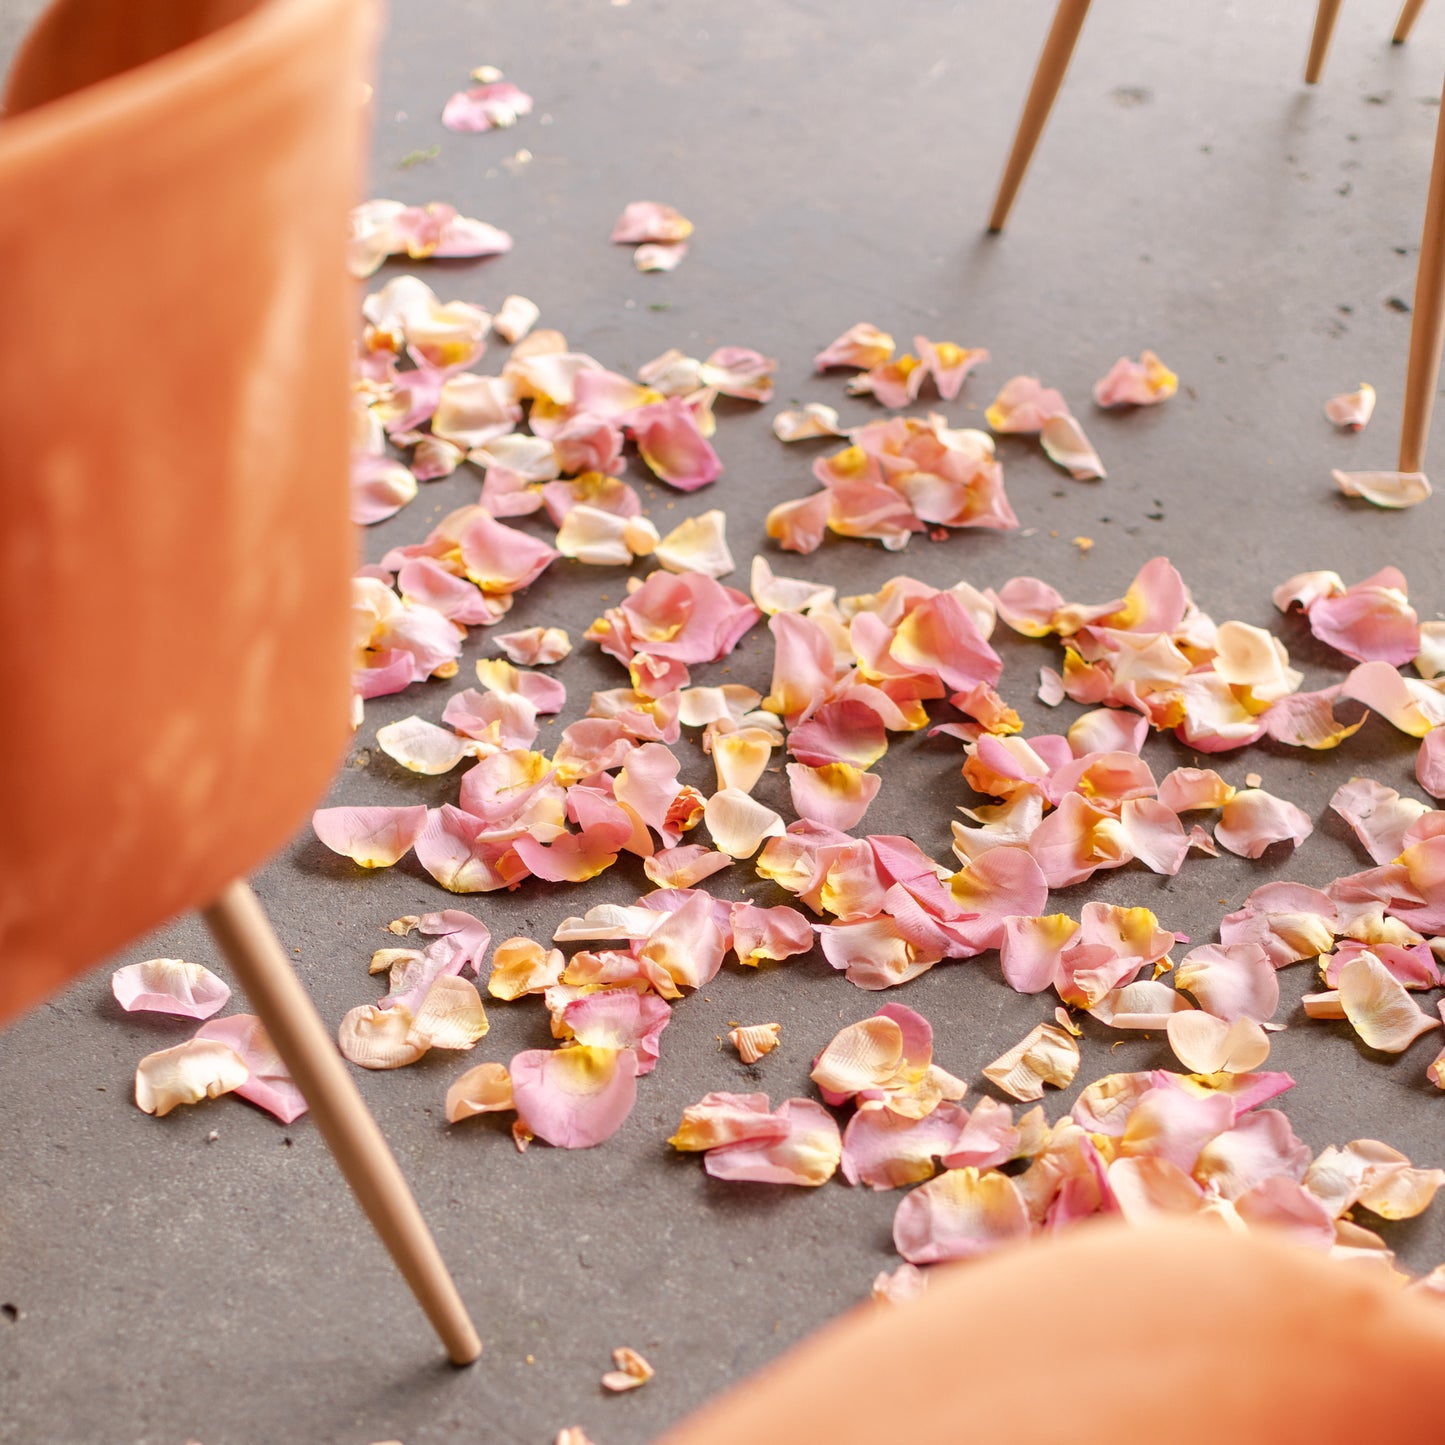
(838, 159)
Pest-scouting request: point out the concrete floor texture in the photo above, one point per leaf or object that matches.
(205, 1277)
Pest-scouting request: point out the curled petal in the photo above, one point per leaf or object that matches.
(1249, 657)
(574, 1097)
(1409, 704)
(535, 646)
(195, 1070)
(1307, 720)
(380, 1038)
(1252, 820)
(1370, 622)
(1379, 816)
(1147, 1188)
(720, 1118)
(372, 837)
(516, 318)
(485, 107)
(1023, 406)
(739, 824)
(1049, 1055)
(1144, 1004)
(1205, 1044)
(808, 1154)
(1188, 788)
(875, 953)
(485, 1089)
(1066, 445)
(1378, 1006)
(604, 539)
(1430, 763)
(798, 526)
(684, 867)
(632, 1370)
(650, 221)
(1352, 409)
(959, 1215)
(752, 1041)
(521, 966)
(1136, 383)
(768, 933)
(1385, 489)
(813, 420)
(169, 986)
(862, 347)
(268, 1085)
(660, 255)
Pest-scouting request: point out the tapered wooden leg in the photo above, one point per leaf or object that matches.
(245, 936)
(1406, 23)
(1048, 77)
(1427, 325)
(1325, 17)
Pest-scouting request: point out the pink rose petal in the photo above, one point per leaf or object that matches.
(574, 1097)
(169, 986)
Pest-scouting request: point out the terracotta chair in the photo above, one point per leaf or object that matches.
(175, 181)
(1427, 326)
(1108, 1334)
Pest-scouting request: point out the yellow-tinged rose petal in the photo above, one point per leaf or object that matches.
(865, 1055)
(195, 1070)
(740, 757)
(1049, 1055)
(1378, 1006)
(697, 544)
(521, 966)
(451, 1016)
(485, 1089)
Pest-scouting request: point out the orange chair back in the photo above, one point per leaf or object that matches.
(175, 181)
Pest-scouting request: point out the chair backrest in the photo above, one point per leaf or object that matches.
(175, 181)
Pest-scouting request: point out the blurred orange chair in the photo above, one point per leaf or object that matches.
(1427, 326)
(1112, 1334)
(175, 551)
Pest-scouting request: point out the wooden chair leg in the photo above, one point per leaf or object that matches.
(1427, 325)
(1325, 17)
(245, 936)
(1406, 23)
(1048, 77)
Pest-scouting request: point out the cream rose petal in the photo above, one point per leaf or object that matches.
(1378, 1006)
(379, 1038)
(195, 1070)
(485, 1089)
(1205, 1044)
(739, 824)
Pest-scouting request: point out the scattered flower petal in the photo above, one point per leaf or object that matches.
(169, 986)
